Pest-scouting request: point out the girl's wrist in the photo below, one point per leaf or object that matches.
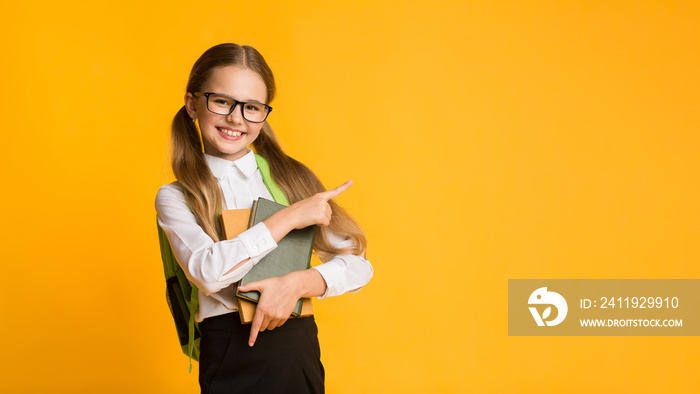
(308, 283)
(297, 282)
(280, 224)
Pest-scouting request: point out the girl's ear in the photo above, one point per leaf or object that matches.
(190, 105)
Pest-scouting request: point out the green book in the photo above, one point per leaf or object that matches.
(293, 252)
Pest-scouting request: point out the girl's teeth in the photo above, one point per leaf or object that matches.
(231, 133)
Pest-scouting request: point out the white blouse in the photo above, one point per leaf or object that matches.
(206, 262)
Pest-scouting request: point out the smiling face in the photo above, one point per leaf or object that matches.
(228, 137)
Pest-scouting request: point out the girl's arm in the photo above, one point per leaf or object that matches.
(307, 212)
(210, 265)
(344, 273)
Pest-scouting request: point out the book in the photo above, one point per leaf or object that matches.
(297, 245)
(293, 252)
(234, 222)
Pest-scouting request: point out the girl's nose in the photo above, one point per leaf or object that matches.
(236, 116)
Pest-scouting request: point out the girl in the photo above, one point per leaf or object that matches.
(226, 106)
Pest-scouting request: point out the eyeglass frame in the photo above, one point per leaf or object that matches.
(235, 104)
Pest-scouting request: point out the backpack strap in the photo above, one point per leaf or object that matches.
(272, 187)
(194, 307)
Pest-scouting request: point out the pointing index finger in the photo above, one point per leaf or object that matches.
(330, 194)
(255, 329)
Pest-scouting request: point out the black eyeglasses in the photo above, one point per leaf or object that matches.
(222, 104)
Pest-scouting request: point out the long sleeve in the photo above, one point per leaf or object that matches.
(344, 273)
(205, 262)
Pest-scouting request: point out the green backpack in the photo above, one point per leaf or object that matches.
(183, 296)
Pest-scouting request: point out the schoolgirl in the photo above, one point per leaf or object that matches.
(226, 109)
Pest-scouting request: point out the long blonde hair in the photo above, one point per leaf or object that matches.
(295, 179)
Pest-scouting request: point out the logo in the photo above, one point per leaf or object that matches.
(543, 297)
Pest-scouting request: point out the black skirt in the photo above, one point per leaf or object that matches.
(284, 360)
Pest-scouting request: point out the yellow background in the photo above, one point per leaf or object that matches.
(487, 141)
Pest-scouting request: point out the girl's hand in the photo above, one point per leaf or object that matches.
(315, 209)
(304, 213)
(279, 296)
(277, 301)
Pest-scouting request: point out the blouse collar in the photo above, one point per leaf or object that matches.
(219, 166)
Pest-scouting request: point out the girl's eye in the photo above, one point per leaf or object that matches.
(253, 108)
(222, 102)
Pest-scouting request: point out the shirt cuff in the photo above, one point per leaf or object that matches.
(334, 280)
(258, 241)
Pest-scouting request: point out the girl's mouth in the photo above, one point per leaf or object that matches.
(230, 133)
